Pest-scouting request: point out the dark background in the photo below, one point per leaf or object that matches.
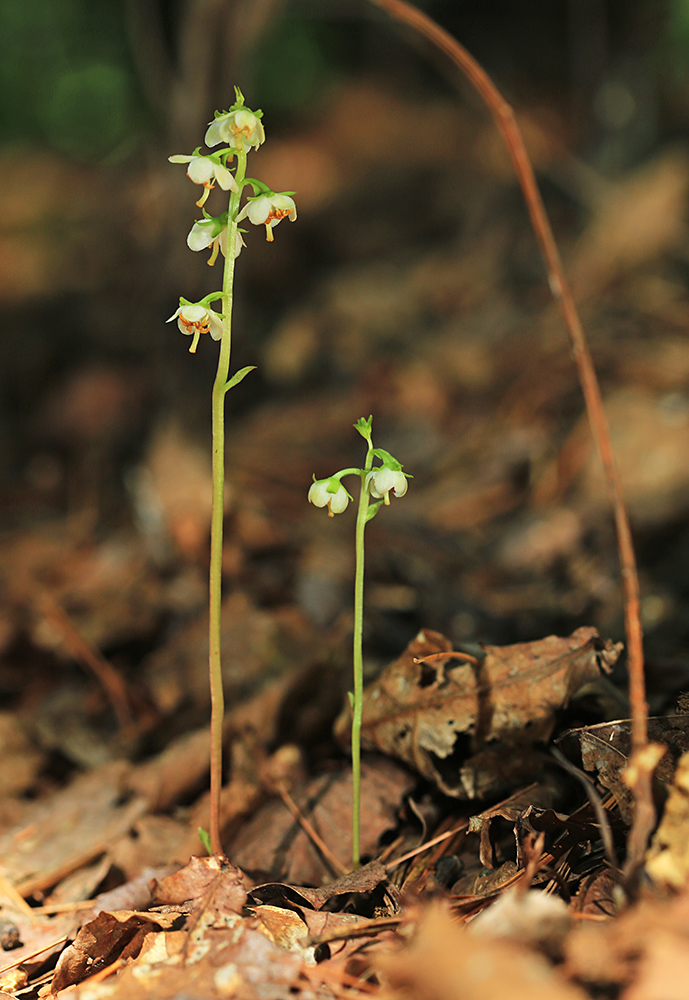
(397, 168)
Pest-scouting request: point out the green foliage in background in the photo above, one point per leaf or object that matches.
(297, 61)
(678, 36)
(65, 78)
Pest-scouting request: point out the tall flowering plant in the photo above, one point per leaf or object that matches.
(237, 132)
(376, 483)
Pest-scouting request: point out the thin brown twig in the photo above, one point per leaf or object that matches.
(559, 286)
(6, 966)
(596, 804)
(427, 846)
(450, 655)
(364, 929)
(309, 830)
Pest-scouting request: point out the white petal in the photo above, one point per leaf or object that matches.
(258, 210)
(178, 158)
(318, 494)
(200, 236)
(339, 501)
(238, 244)
(201, 170)
(215, 132)
(193, 313)
(215, 324)
(224, 178)
(245, 121)
(283, 202)
(174, 316)
(400, 487)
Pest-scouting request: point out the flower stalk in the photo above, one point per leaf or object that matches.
(374, 484)
(220, 387)
(242, 130)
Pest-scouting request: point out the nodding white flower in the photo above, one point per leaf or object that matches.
(384, 481)
(329, 493)
(240, 129)
(268, 210)
(193, 319)
(204, 170)
(213, 233)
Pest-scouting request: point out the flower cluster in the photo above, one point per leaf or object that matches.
(378, 483)
(239, 130)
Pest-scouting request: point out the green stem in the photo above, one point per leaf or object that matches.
(357, 702)
(217, 511)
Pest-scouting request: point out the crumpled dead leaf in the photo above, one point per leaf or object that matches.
(197, 879)
(364, 879)
(605, 750)
(538, 794)
(104, 939)
(472, 727)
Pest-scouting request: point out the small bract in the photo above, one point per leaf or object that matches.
(240, 129)
(268, 210)
(329, 493)
(384, 481)
(193, 319)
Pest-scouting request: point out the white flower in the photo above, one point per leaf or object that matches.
(382, 482)
(204, 170)
(322, 493)
(194, 319)
(268, 210)
(212, 233)
(239, 129)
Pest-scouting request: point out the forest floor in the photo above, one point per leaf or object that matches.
(495, 867)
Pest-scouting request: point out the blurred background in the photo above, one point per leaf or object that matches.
(410, 287)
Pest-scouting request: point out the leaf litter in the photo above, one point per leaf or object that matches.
(503, 536)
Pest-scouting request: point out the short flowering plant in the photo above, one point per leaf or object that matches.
(376, 485)
(238, 131)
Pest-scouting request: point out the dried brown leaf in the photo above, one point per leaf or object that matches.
(471, 727)
(605, 750)
(273, 842)
(102, 940)
(537, 794)
(364, 879)
(199, 878)
(69, 829)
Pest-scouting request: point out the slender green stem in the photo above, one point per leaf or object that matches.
(357, 702)
(217, 510)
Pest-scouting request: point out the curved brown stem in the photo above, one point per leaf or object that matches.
(559, 286)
